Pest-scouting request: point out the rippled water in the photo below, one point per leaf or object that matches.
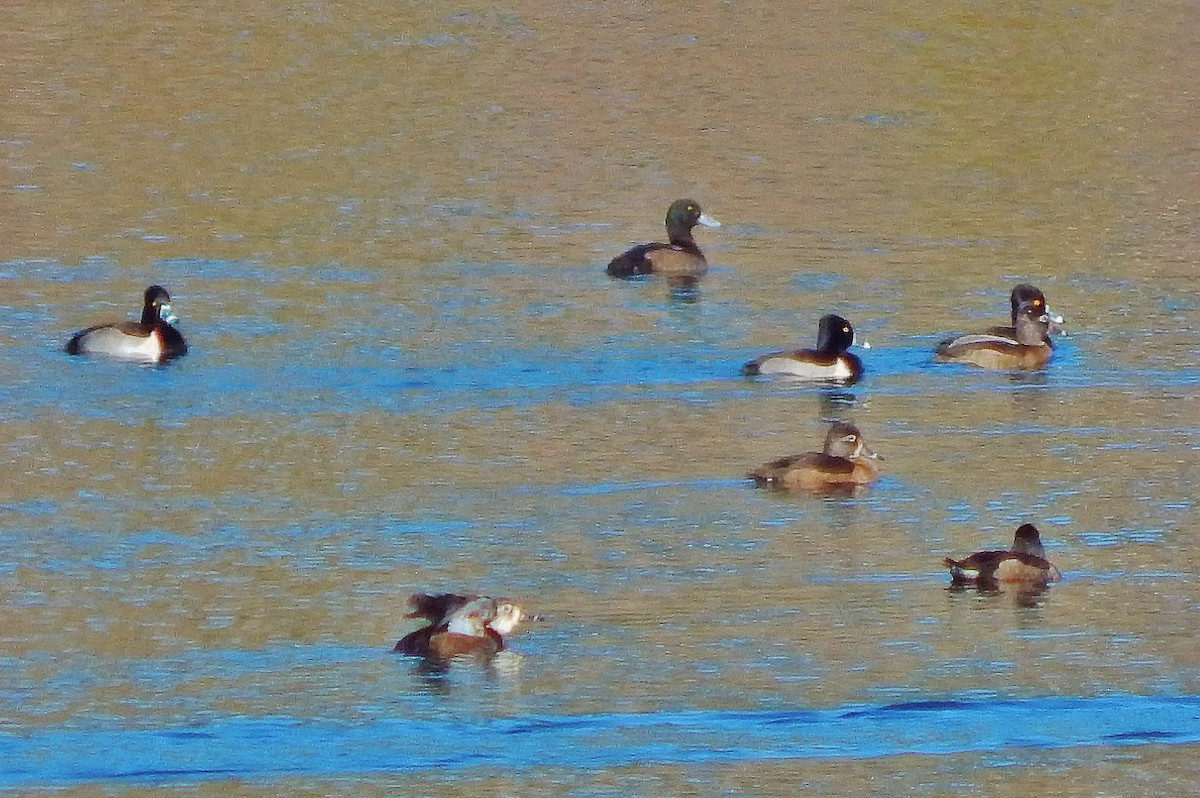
(384, 230)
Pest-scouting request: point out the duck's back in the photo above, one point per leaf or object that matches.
(635, 261)
(992, 352)
(991, 567)
(437, 643)
(673, 261)
(808, 471)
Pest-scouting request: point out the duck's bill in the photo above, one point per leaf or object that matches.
(708, 221)
(164, 313)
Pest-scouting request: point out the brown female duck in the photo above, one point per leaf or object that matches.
(845, 463)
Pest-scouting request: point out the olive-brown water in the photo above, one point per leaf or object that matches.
(385, 226)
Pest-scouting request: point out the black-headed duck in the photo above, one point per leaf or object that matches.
(1024, 564)
(829, 362)
(1027, 349)
(459, 625)
(844, 464)
(680, 261)
(151, 340)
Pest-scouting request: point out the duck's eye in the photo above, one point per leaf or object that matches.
(846, 330)
(1037, 303)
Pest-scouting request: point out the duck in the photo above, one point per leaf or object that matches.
(829, 362)
(1027, 349)
(459, 625)
(1025, 293)
(681, 262)
(843, 465)
(154, 339)
(1025, 564)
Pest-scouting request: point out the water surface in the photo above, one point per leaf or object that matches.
(384, 228)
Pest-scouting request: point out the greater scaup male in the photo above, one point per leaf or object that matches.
(151, 340)
(843, 465)
(829, 362)
(1027, 349)
(1025, 563)
(680, 261)
(459, 625)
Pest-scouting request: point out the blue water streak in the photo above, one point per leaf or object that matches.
(273, 747)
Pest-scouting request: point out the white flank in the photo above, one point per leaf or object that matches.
(114, 343)
(809, 371)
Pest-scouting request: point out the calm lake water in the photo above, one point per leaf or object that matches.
(384, 227)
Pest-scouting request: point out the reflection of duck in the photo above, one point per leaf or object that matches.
(843, 464)
(1027, 348)
(152, 339)
(459, 624)
(829, 362)
(1025, 564)
(680, 261)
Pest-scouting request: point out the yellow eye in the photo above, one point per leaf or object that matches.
(845, 329)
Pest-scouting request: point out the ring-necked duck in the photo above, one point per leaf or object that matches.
(1024, 563)
(459, 625)
(680, 261)
(1027, 349)
(152, 340)
(829, 362)
(843, 465)
(1032, 295)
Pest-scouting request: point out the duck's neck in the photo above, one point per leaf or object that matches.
(681, 236)
(1030, 332)
(150, 315)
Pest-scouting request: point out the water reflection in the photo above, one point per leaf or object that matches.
(1029, 392)
(445, 677)
(1024, 596)
(835, 404)
(684, 292)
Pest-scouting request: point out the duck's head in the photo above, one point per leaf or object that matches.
(844, 440)
(506, 617)
(156, 305)
(686, 214)
(835, 334)
(1027, 540)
